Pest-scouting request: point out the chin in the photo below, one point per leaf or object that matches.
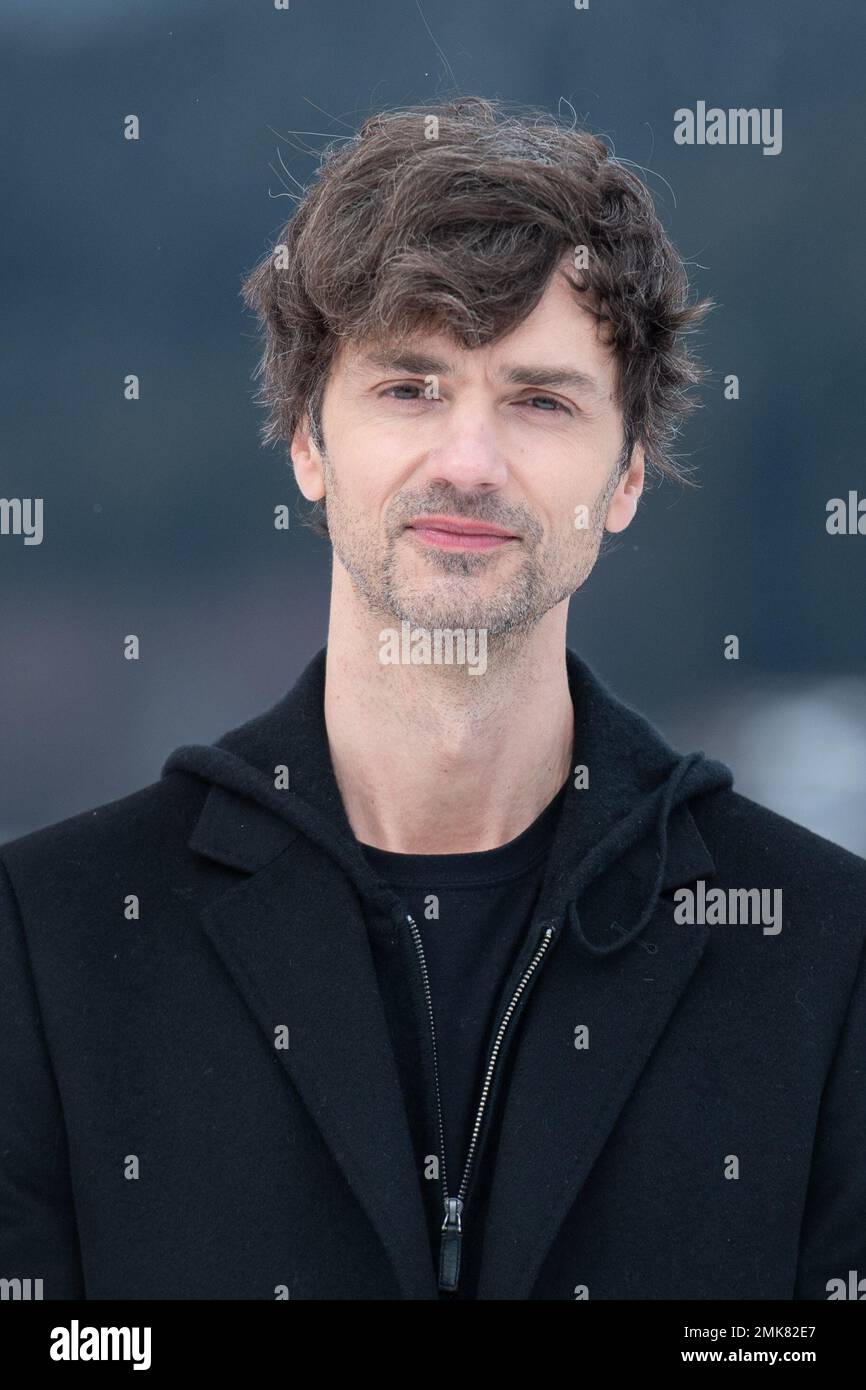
(437, 610)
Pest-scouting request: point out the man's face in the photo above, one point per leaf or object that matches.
(427, 440)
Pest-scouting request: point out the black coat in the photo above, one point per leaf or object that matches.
(709, 1142)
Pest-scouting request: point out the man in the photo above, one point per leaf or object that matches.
(445, 977)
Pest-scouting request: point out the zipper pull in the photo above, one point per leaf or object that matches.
(449, 1250)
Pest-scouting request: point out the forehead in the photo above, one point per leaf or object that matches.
(562, 334)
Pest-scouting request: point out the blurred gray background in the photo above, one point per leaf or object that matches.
(123, 256)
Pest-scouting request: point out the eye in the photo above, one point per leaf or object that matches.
(550, 400)
(406, 386)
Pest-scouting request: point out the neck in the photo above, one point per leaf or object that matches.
(432, 759)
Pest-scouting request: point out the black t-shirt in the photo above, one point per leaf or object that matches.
(472, 911)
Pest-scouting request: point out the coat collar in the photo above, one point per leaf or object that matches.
(623, 752)
(293, 937)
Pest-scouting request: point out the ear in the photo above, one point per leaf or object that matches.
(623, 504)
(307, 462)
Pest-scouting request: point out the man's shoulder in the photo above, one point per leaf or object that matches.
(747, 838)
(149, 823)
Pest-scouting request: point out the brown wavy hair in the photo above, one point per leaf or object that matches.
(459, 233)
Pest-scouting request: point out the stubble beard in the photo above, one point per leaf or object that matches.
(548, 572)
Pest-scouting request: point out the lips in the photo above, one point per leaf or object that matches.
(459, 533)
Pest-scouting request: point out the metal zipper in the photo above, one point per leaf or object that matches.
(452, 1226)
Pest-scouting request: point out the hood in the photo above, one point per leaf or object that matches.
(622, 840)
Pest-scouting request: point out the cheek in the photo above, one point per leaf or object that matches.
(347, 477)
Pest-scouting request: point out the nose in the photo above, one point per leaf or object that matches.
(468, 453)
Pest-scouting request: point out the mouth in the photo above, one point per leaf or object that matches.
(459, 533)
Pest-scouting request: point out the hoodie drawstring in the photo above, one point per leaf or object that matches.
(666, 795)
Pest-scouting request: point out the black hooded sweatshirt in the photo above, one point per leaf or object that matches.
(632, 787)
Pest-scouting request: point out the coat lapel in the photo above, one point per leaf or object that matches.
(293, 939)
(562, 1103)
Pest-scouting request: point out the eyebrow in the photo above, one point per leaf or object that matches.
(419, 364)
